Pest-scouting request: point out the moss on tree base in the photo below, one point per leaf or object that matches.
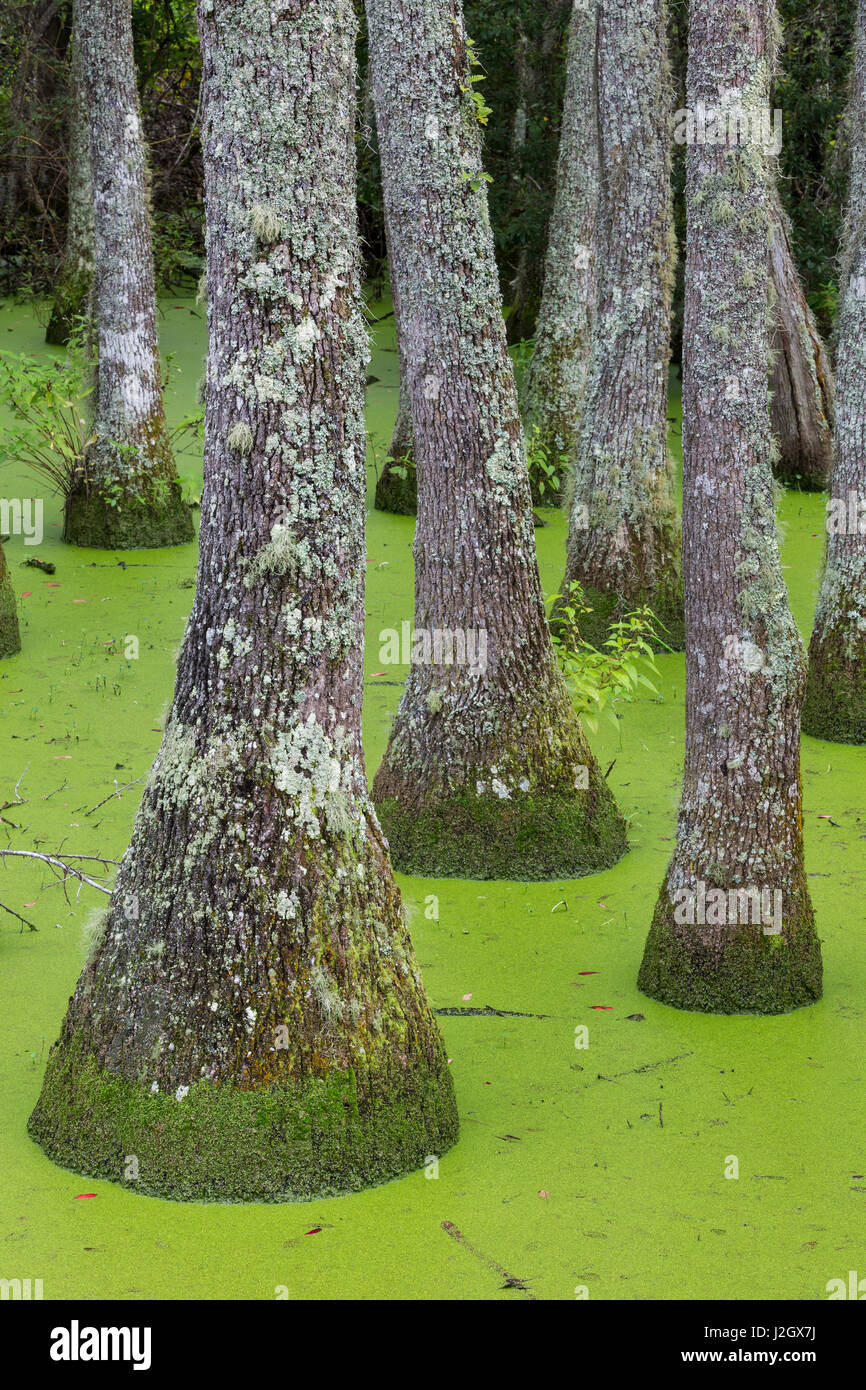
(752, 974)
(292, 1142)
(482, 837)
(834, 707)
(10, 637)
(397, 495)
(128, 523)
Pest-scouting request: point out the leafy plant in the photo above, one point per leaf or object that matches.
(546, 469)
(599, 680)
(47, 399)
(482, 111)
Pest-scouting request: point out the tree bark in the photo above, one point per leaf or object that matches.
(75, 278)
(624, 532)
(557, 373)
(128, 495)
(10, 638)
(487, 773)
(801, 378)
(713, 945)
(252, 1025)
(835, 705)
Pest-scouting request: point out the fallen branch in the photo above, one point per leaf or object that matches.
(62, 869)
(115, 793)
(17, 915)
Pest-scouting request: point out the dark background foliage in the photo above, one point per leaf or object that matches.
(521, 47)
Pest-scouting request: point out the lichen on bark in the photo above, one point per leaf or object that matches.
(252, 1024)
(740, 828)
(127, 494)
(835, 704)
(624, 531)
(487, 772)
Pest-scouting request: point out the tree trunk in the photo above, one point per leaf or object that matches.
(734, 929)
(128, 495)
(532, 66)
(487, 773)
(252, 1025)
(801, 378)
(835, 706)
(624, 533)
(10, 638)
(75, 279)
(557, 372)
(397, 487)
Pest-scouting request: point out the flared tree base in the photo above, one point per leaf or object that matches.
(10, 637)
(539, 837)
(834, 707)
(128, 523)
(396, 494)
(750, 973)
(804, 474)
(216, 1143)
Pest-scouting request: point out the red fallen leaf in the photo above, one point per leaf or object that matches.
(79, 600)
(601, 1006)
(587, 972)
(52, 586)
(29, 594)
(33, 904)
(80, 1195)
(314, 1232)
(377, 673)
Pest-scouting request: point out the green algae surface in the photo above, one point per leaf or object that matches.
(598, 1128)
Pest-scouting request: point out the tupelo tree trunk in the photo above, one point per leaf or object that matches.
(128, 495)
(75, 279)
(624, 532)
(10, 638)
(538, 36)
(487, 773)
(557, 373)
(252, 1024)
(801, 378)
(835, 705)
(397, 487)
(734, 928)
